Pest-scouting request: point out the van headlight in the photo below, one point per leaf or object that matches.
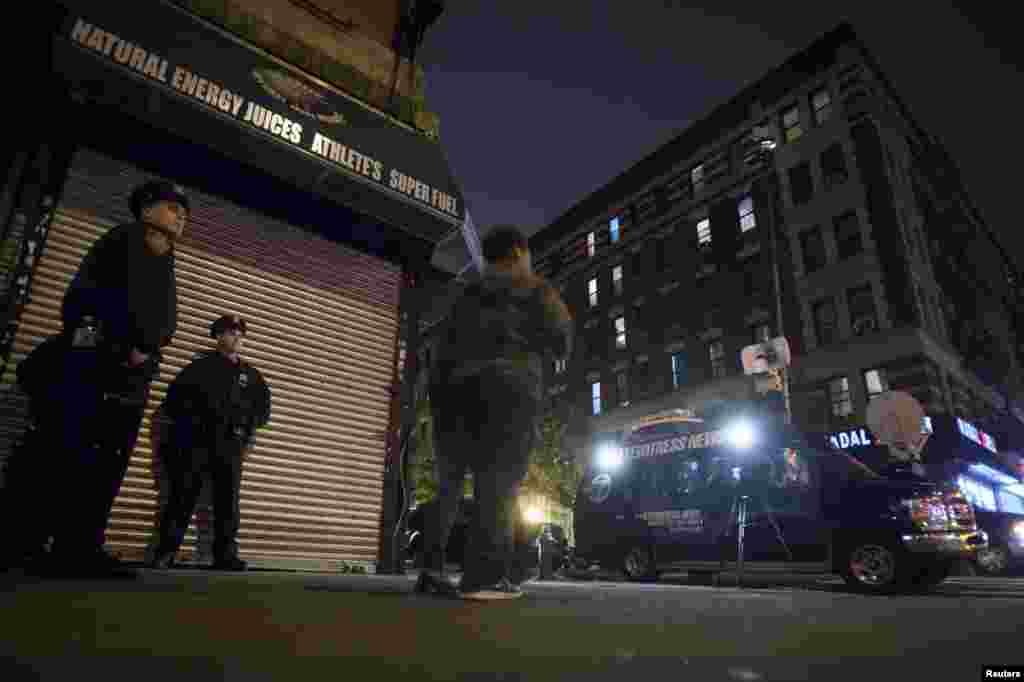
(1018, 531)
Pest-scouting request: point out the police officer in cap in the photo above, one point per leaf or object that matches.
(216, 404)
(119, 311)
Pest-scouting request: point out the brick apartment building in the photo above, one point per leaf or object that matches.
(888, 277)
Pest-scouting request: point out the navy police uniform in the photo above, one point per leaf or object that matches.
(216, 404)
(86, 402)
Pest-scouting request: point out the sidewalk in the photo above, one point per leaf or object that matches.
(193, 625)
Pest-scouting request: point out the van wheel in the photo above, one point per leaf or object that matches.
(876, 567)
(638, 564)
(993, 560)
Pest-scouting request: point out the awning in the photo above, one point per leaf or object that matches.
(159, 63)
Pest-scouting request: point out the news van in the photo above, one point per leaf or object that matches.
(666, 499)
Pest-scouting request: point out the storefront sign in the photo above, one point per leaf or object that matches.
(179, 54)
(980, 437)
(693, 441)
(853, 438)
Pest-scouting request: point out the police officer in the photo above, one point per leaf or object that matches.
(119, 311)
(216, 404)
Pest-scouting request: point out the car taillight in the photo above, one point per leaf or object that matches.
(961, 513)
(927, 513)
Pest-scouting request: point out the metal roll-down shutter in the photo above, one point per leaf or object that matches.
(323, 321)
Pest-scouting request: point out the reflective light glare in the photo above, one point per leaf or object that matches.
(1016, 489)
(740, 435)
(993, 475)
(609, 457)
(1018, 530)
(534, 515)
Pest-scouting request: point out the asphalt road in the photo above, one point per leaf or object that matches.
(194, 626)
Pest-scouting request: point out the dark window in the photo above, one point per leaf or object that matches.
(812, 243)
(617, 280)
(833, 166)
(821, 102)
(716, 353)
(622, 388)
(848, 238)
(863, 315)
(661, 255)
(678, 369)
(825, 327)
(801, 186)
(761, 333)
(642, 379)
(753, 275)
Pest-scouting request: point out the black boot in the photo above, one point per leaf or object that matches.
(231, 563)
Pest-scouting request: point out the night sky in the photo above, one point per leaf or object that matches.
(541, 103)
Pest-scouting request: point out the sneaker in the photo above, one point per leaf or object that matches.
(503, 589)
(435, 583)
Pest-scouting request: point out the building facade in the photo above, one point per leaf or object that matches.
(887, 276)
(313, 210)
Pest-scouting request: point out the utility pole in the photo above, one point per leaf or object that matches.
(766, 151)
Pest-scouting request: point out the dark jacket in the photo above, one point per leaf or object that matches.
(214, 394)
(501, 324)
(128, 289)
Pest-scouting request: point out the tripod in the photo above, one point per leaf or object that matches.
(740, 515)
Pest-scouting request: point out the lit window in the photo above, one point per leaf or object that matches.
(704, 233)
(748, 221)
(821, 101)
(613, 229)
(678, 370)
(622, 386)
(595, 397)
(592, 291)
(620, 332)
(617, 280)
(697, 178)
(716, 351)
(561, 365)
(591, 244)
(839, 395)
(791, 124)
(876, 382)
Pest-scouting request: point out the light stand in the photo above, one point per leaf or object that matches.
(739, 515)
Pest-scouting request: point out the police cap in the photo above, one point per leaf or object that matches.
(226, 322)
(147, 194)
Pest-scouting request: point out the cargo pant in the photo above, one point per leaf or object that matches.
(487, 425)
(220, 459)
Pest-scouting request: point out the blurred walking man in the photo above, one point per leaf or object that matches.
(487, 377)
